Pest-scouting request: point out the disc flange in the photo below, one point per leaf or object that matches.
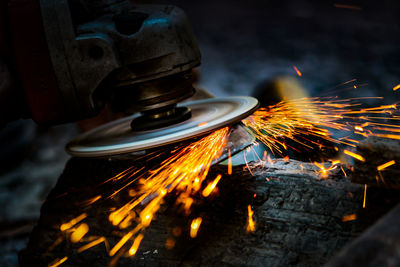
(118, 137)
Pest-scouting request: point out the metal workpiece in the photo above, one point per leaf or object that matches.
(116, 49)
(118, 137)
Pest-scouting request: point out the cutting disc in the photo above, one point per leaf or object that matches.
(118, 137)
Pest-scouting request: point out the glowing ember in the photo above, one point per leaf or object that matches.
(350, 217)
(385, 165)
(79, 233)
(354, 155)
(229, 163)
(251, 225)
(365, 195)
(297, 71)
(210, 187)
(135, 245)
(195, 226)
(91, 244)
(71, 223)
(396, 87)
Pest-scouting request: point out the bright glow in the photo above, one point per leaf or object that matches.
(210, 187)
(251, 225)
(195, 226)
(135, 245)
(80, 232)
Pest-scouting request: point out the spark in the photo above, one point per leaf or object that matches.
(350, 217)
(344, 173)
(91, 244)
(229, 163)
(211, 186)
(251, 225)
(77, 235)
(58, 262)
(121, 242)
(323, 170)
(135, 245)
(396, 87)
(195, 226)
(365, 195)
(71, 223)
(354, 155)
(385, 165)
(297, 71)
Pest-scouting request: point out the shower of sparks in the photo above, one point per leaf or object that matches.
(304, 120)
(309, 124)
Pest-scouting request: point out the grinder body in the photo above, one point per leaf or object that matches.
(71, 58)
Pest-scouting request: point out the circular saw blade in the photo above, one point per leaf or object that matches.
(118, 137)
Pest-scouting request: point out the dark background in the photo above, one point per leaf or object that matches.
(244, 44)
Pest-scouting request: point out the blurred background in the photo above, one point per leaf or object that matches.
(333, 48)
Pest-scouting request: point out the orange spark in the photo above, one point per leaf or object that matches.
(203, 124)
(91, 244)
(323, 170)
(350, 217)
(347, 6)
(229, 163)
(297, 71)
(71, 223)
(122, 242)
(251, 225)
(385, 165)
(345, 174)
(58, 262)
(396, 87)
(210, 187)
(135, 245)
(354, 155)
(77, 235)
(365, 195)
(195, 226)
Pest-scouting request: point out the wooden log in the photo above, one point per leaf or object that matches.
(299, 218)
